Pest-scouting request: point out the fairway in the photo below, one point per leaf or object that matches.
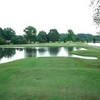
(51, 78)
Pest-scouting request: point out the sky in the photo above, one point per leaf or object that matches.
(47, 14)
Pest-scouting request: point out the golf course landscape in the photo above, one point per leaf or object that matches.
(52, 78)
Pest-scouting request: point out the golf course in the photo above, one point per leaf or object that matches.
(52, 78)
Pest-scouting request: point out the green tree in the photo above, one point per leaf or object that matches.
(96, 9)
(39, 38)
(21, 39)
(71, 35)
(96, 13)
(30, 34)
(14, 40)
(86, 37)
(42, 37)
(2, 33)
(2, 41)
(63, 37)
(94, 40)
(78, 39)
(53, 35)
(9, 33)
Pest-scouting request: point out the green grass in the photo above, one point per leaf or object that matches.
(44, 44)
(51, 78)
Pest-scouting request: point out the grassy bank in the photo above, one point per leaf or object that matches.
(44, 44)
(51, 78)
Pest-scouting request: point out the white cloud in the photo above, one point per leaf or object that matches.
(47, 14)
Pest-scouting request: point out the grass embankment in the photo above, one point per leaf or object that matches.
(51, 78)
(44, 45)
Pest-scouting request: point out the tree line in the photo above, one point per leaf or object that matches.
(8, 36)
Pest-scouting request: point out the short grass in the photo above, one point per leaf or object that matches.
(45, 44)
(51, 78)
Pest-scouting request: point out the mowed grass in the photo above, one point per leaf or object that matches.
(51, 78)
(60, 44)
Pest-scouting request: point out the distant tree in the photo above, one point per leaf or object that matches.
(14, 40)
(30, 34)
(97, 38)
(63, 37)
(90, 37)
(21, 40)
(2, 41)
(96, 13)
(53, 35)
(83, 40)
(42, 37)
(78, 39)
(39, 39)
(47, 38)
(9, 33)
(86, 37)
(94, 39)
(71, 35)
(2, 33)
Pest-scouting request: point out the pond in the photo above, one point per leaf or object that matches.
(94, 44)
(10, 54)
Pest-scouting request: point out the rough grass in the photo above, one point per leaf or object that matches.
(51, 78)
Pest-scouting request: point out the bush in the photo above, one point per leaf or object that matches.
(2, 41)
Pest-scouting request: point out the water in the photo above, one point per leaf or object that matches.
(10, 54)
(94, 44)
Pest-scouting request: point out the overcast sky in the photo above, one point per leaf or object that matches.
(47, 14)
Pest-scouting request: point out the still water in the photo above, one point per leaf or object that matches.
(10, 54)
(94, 44)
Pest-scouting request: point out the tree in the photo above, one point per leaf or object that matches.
(9, 33)
(30, 34)
(53, 35)
(63, 37)
(14, 40)
(86, 37)
(94, 40)
(78, 39)
(2, 41)
(96, 15)
(21, 39)
(42, 37)
(96, 8)
(2, 33)
(71, 35)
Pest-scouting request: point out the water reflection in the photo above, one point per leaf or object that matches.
(19, 49)
(10, 54)
(41, 50)
(53, 51)
(30, 52)
(70, 49)
(7, 52)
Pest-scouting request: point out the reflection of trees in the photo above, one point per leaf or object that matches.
(53, 50)
(7, 52)
(70, 49)
(41, 50)
(19, 49)
(77, 48)
(30, 52)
